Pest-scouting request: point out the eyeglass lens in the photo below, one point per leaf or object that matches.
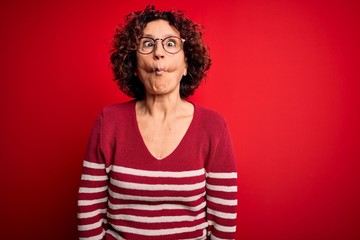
(170, 44)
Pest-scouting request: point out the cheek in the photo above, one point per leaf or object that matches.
(140, 64)
(142, 68)
(177, 64)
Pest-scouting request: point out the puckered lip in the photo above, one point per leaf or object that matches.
(159, 70)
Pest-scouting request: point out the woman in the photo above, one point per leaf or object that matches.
(159, 166)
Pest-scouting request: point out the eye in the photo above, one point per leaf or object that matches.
(171, 42)
(147, 43)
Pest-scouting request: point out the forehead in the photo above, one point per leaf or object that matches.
(160, 28)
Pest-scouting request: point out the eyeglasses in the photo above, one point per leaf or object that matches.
(170, 44)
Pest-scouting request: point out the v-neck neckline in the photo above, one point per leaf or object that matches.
(178, 146)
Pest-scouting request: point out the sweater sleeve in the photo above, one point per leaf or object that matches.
(221, 190)
(92, 196)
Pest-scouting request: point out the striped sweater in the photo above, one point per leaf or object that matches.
(126, 193)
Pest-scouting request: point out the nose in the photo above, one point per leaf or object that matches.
(159, 51)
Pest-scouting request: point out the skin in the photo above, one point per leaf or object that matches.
(163, 117)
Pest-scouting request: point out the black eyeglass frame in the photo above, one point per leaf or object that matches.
(162, 43)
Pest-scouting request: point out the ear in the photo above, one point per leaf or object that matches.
(185, 69)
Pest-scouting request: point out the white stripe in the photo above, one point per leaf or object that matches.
(155, 199)
(91, 214)
(222, 188)
(114, 234)
(98, 237)
(92, 190)
(222, 201)
(157, 187)
(88, 177)
(157, 207)
(203, 236)
(91, 202)
(92, 226)
(93, 165)
(213, 237)
(159, 232)
(222, 228)
(162, 219)
(146, 173)
(222, 175)
(221, 214)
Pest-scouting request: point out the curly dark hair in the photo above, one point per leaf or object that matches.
(125, 42)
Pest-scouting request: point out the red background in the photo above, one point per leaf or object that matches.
(285, 75)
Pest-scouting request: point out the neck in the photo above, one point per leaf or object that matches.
(162, 107)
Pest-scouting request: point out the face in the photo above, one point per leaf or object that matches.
(160, 71)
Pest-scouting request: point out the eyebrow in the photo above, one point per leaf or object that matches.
(165, 36)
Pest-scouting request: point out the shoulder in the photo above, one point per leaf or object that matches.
(209, 119)
(118, 108)
(118, 112)
(209, 114)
